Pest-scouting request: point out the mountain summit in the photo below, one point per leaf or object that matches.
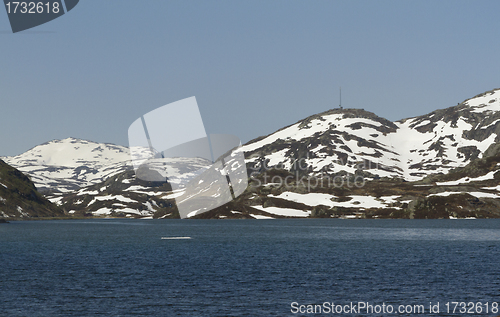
(439, 165)
(342, 141)
(66, 165)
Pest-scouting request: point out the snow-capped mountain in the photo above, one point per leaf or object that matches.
(469, 192)
(356, 141)
(121, 195)
(443, 164)
(66, 165)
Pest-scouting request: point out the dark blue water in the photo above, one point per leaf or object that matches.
(244, 267)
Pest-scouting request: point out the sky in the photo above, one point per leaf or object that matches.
(253, 66)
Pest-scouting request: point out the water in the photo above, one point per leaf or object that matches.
(244, 267)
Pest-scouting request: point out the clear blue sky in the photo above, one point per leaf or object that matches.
(254, 66)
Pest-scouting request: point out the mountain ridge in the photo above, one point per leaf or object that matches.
(456, 141)
(91, 178)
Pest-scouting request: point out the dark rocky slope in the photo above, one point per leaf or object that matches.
(19, 197)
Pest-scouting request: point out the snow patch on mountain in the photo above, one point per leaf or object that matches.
(487, 102)
(466, 180)
(286, 212)
(69, 164)
(355, 141)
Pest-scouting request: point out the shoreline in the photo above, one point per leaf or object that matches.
(4, 220)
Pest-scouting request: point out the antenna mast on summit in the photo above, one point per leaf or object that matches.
(340, 90)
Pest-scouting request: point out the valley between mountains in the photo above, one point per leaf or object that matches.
(343, 163)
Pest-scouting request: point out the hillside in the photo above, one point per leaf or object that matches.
(19, 197)
(350, 141)
(61, 166)
(122, 195)
(468, 192)
(472, 191)
(346, 163)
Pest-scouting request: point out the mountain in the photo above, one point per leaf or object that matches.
(346, 163)
(19, 197)
(62, 166)
(472, 191)
(355, 141)
(121, 195)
